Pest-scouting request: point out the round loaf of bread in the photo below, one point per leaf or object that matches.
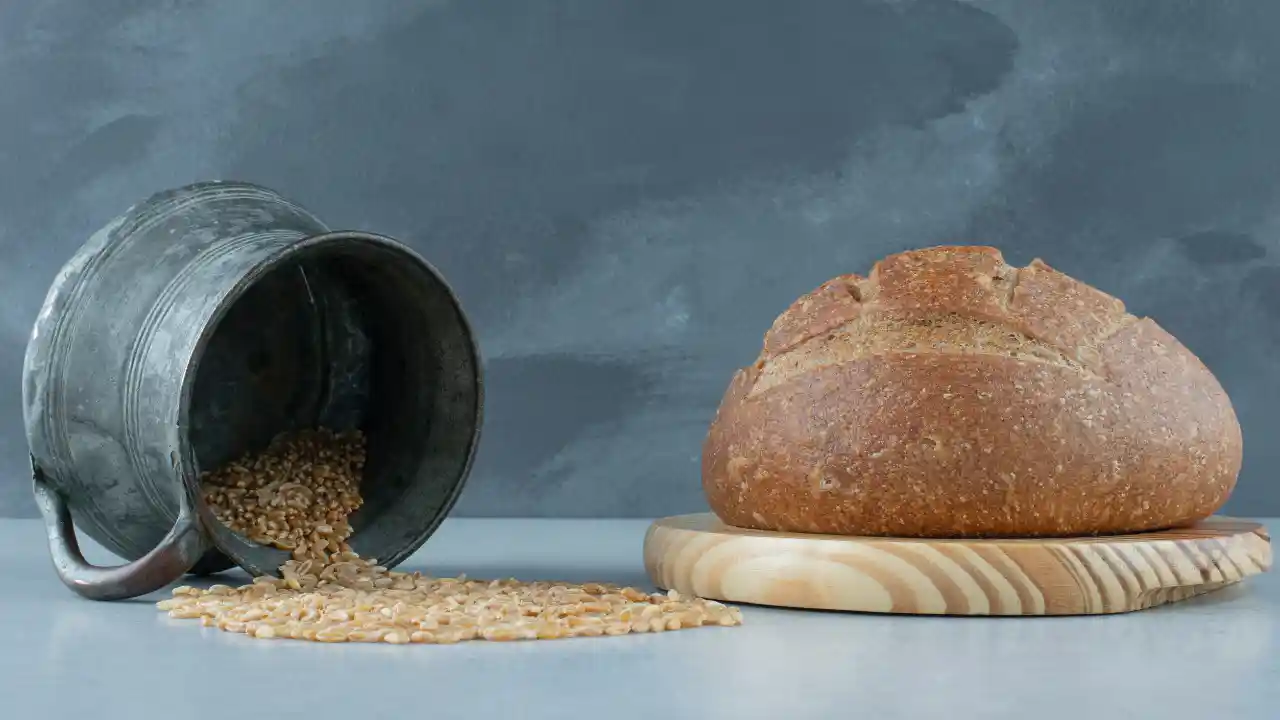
(951, 395)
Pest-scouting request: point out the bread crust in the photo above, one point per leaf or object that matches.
(949, 394)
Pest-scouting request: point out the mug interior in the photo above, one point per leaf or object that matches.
(344, 331)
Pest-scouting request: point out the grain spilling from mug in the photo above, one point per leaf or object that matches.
(298, 495)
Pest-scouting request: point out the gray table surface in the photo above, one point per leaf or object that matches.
(63, 657)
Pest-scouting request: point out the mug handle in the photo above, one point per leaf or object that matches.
(167, 561)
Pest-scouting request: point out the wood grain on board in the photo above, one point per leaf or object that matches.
(699, 555)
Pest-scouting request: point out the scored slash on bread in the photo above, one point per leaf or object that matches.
(949, 394)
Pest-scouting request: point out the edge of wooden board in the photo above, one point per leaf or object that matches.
(699, 555)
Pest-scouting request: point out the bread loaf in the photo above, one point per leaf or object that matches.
(951, 395)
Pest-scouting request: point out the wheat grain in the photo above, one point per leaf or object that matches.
(298, 495)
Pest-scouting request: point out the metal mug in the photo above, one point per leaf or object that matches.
(201, 323)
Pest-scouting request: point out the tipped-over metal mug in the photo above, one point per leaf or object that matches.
(200, 324)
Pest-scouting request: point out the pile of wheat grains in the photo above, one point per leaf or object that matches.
(298, 494)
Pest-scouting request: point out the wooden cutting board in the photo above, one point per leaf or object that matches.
(699, 555)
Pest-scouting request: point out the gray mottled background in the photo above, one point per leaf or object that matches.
(626, 193)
